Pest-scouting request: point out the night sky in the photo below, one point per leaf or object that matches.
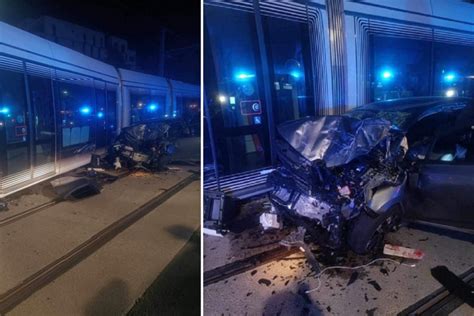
(139, 22)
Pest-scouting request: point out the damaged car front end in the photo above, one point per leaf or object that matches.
(146, 146)
(341, 178)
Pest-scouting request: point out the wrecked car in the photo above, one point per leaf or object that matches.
(146, 146)
(347, 179)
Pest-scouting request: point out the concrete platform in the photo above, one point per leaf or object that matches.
(109, 281)
(127, 264)
(278, 288)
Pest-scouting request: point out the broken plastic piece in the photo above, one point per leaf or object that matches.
(344, 191)
(211, 232)
(403, 252)
(72, 188)
(117, 164)
(269, 220)
(3, 205)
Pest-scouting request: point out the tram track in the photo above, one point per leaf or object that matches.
(41, 207)
(53, 270)
(238, 267)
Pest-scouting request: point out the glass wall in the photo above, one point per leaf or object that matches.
(404, 67)
(146, 105)
(453, 70)
(189, 110)
(41, 97)
(100, 94)
(289, 55)
(14, 131)
(400, 68)
(111, 113)
(77, 119)
(233, 83)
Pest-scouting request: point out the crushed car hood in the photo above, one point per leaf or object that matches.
(141, 134)
(336, 140)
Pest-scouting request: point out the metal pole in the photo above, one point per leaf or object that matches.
(31, 133)
(265, 79)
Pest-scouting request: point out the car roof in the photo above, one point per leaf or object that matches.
(403, 113)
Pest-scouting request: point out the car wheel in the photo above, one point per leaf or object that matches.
(366, 232)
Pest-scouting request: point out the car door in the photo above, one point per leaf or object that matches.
(443, 191)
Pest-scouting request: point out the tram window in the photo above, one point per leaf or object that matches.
(147, 107)
(100, 114)
(179, 106)
(44, 125)
(190, 113)
(77, 104)
(401, 68)
(111, 114)
(13, 120)
(453, 70)
(233, 77)
(290, 60)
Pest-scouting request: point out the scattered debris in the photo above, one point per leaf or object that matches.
(269, 220)
(211, 232)
(3, 205)
(140, 174)
(296, 239)
(384, 271)
(264, 281)
(403, 252)
(375, 285)
(353, 278)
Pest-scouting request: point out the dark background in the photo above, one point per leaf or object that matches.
(139, 22)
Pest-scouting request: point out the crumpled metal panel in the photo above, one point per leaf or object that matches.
(336, 140)
(140, 135)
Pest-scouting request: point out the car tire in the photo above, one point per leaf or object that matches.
(366, 232)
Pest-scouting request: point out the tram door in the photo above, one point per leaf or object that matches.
(14, 131)
(234, 83)
(234, 91)
(44, 127)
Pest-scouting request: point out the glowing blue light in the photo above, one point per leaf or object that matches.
(100, 114)
(244, 76)
(152, 107)
(4, 110)
(295, 74)
(85, 110)
(387, 75)
(450, 77)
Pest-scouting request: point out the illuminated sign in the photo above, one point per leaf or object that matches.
(250, 107)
